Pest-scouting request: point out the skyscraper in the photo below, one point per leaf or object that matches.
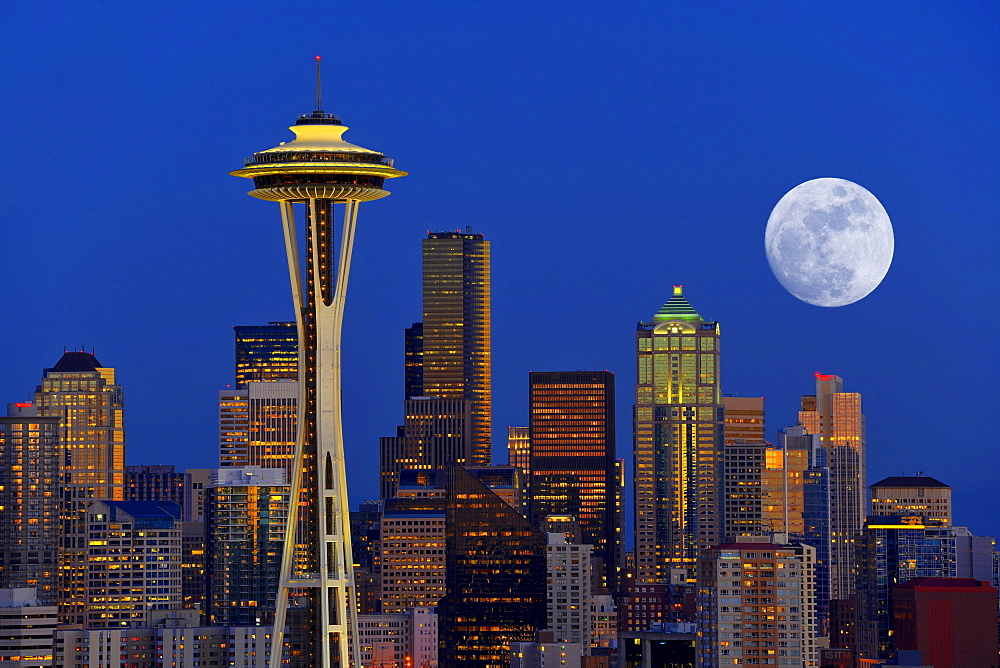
(912, 495)
(257, 425)
(495, 576)
(329, 177)
(456, 327)
(83, 392)
(572, 461)
(678, 439)
(247, 512)
(30, 499)
(266, 352)
(836, 417)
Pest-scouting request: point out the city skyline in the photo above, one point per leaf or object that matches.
(731, 120)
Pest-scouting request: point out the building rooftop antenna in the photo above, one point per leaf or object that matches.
(319, 88)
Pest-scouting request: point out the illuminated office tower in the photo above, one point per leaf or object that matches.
(327, 177)
(266, 352)
(413, 542)
(572, 462)
(744, 419)
(30, 501)
(836, 417)
(257, 425)
(742, 491)
(678, 440)
(495, 576)
(84, 394)
(913, 495)
(247, 511)
(134, 565)
(436, 432)
(456, 328)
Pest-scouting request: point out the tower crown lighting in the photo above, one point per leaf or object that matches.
(318, 164)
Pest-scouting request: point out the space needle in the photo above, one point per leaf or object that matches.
(328, 178)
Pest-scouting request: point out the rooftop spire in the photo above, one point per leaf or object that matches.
(319, 88)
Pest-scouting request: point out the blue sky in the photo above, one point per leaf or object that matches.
(608, 152)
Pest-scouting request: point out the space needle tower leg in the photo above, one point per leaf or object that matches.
(324, 173)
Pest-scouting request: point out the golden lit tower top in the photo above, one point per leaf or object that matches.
(318, 164)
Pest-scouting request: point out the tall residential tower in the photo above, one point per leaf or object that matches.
(328, 178)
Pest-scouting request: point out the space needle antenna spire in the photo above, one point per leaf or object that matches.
(319, 181)
(319, 88)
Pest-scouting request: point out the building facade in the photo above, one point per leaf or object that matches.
(26, 629)
(755, 605)
(456, 348)
(257, 425)
(572, 458)
(247, 513)
(678, 440)
(495, 576)
(133, 570)
(266, 353)
(30, 499)
(86, 396)
(912, 495)
(569, 591)
(836, 417)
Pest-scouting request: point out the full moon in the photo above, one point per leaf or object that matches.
(829, 242)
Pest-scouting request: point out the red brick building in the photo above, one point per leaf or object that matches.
(951, 621)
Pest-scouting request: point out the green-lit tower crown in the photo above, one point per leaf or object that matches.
(329, 178)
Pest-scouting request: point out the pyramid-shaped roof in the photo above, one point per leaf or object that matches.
(677, 308)
(76, 361)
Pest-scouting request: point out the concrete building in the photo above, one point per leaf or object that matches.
(133, 569)
(755, 604)
(26, 629)
(545, 655)
(569, 594)
(912, 495)
(402, 640)
(257, 425)
(951, 621)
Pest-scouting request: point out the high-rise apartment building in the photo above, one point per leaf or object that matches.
(836, 417)
(266, 352)
(755, 605)
(30, 500)
(158, 482)
(912, 495)
(678, 439)
(84, 394)
(134, 565)
(247, 512)
(572, 460)
(570, 594)
(456, 328)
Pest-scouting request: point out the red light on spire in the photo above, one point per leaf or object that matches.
(317, 59)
